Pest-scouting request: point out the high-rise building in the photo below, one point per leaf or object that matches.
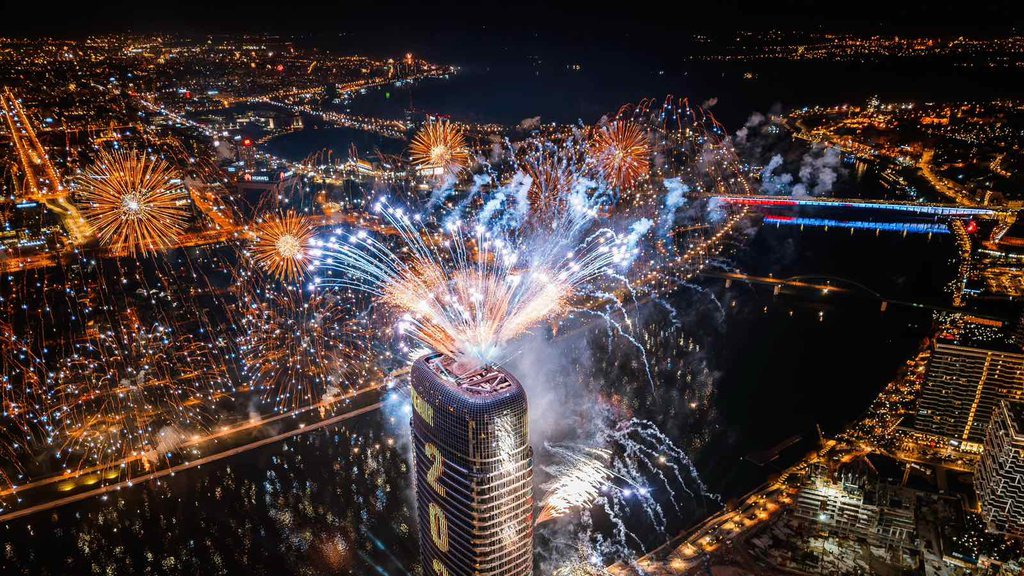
(999, 478)
(964, 382)
(856, 506)
(246, 149)
(474, 470)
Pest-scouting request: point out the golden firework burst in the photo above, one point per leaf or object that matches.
(621, 153)
(440, 148)
(132, 393)
(282, 246)
(300, 349)
(135, 203)
(551, 182)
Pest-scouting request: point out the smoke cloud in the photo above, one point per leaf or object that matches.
(817, 174)
(528, 124)
(674, 198)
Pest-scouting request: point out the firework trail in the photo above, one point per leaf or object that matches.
(134, 202)
(127, 391)
(124, 368)
(582, 562)
(20, 384)
(300, 348)
(633, 465)
(580, 479)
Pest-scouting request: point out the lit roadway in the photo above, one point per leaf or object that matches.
(41, 178)
(944, 186)
(42, 183)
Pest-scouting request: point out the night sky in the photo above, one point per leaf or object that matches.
(569, 21)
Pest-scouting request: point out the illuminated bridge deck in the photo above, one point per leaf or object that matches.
(902, 227)
(945, 210)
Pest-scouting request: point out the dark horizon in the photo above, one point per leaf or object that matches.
(568, 21)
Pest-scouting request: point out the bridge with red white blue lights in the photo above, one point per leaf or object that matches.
(902, 227)
(931, 209)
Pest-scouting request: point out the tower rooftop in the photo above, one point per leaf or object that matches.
(474, 379)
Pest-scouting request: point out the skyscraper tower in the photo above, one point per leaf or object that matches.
(999, 478)
(474, 470)
(964, 383)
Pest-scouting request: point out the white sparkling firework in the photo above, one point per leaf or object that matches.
(632, 466)
(468, 293)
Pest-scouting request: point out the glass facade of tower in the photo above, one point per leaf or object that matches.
(963, 385)
(999, 477)
(474, 470)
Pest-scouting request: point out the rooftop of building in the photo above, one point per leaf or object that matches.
(469, 377)
(977, 332)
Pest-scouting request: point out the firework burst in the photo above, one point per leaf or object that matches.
(579, 482)
(135, 203)
(300, 349)
(282, 246)
(551, 182)
(121, 394)
(621, 153)
(468, 294)
(440, 148)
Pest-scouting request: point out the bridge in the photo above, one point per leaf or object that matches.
(924, 208)
(1003, 217)
(827, 284)
(901, 227)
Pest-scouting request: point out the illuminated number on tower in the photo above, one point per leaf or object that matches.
(439, 568)
(438, 527)
(434, 474)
